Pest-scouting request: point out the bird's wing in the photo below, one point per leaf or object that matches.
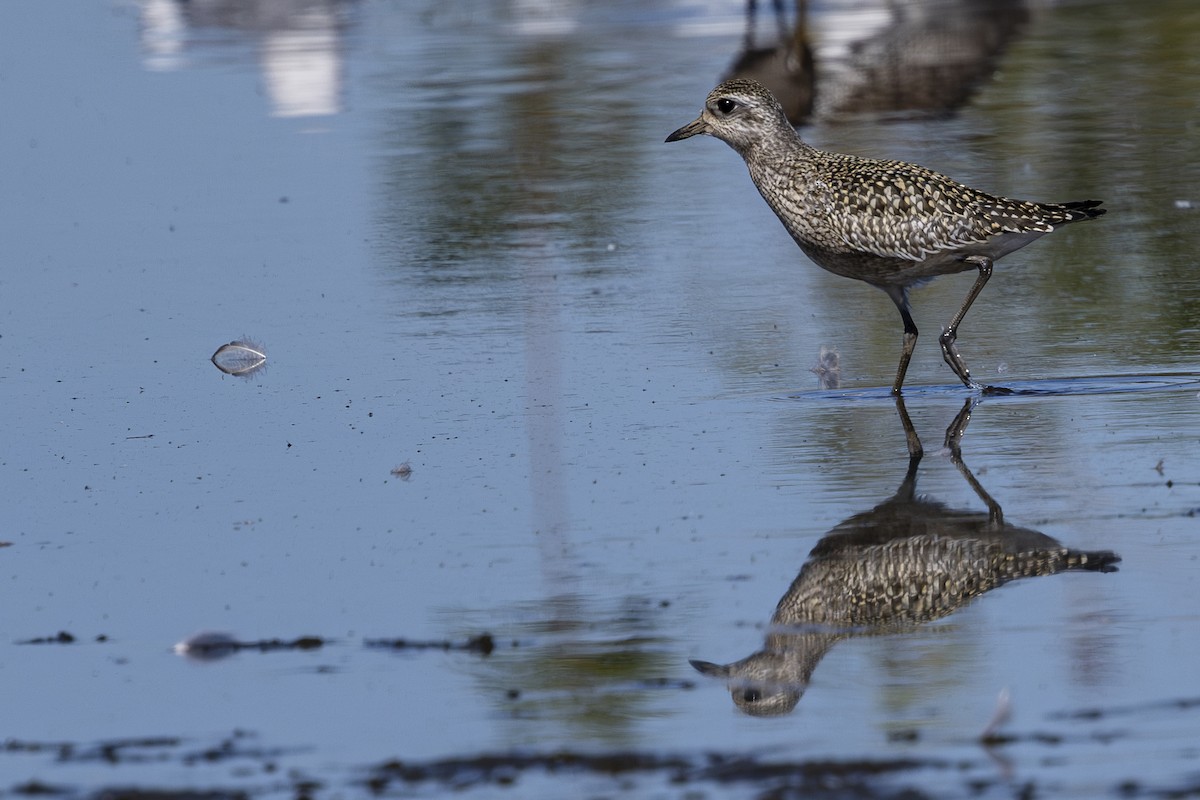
(898, 210)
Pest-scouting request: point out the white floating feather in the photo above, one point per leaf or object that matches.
(241, 357)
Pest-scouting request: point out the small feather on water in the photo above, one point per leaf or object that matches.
(1000, 716)
(241, 357)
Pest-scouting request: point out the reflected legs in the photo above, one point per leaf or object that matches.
(915, 450)
(953, 443)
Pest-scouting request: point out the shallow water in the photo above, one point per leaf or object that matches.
(534, 373)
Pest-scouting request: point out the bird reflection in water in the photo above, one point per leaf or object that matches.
(908, 561)
(920, 58)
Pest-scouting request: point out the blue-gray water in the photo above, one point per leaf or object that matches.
(459, 235)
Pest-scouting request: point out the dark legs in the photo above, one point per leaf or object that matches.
(899, 295)
(752, 13)
(950, 333)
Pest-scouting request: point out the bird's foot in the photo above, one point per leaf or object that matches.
(995, 391)
(956, 362)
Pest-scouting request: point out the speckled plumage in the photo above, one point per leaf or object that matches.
(890, 223)
(919, 562)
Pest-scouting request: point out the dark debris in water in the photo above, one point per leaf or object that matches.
(1089, 714)
(211, 646)
(483, 644)
(865, 779)
(153, 749)
(667, 683)
(147, 749)
(170, 794)
(35, 788)
(62, 637)
(853, 778)
(1006, 739)
(261, 771)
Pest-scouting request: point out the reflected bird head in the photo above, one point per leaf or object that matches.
(757, 684)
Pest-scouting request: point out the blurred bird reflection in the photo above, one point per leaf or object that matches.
(299, 44)
(917, 58)
(907, 561)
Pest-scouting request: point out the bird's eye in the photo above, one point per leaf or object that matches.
(725, 105)
(751, 695)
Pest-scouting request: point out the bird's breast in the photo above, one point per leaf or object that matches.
(803, 204)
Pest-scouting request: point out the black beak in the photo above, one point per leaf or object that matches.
(693, 128)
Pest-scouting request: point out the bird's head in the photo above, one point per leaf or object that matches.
(741, 113)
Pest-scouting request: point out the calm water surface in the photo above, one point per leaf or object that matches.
(459, 235)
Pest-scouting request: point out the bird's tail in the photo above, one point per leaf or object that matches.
(1092, 560)
(1084, 209)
